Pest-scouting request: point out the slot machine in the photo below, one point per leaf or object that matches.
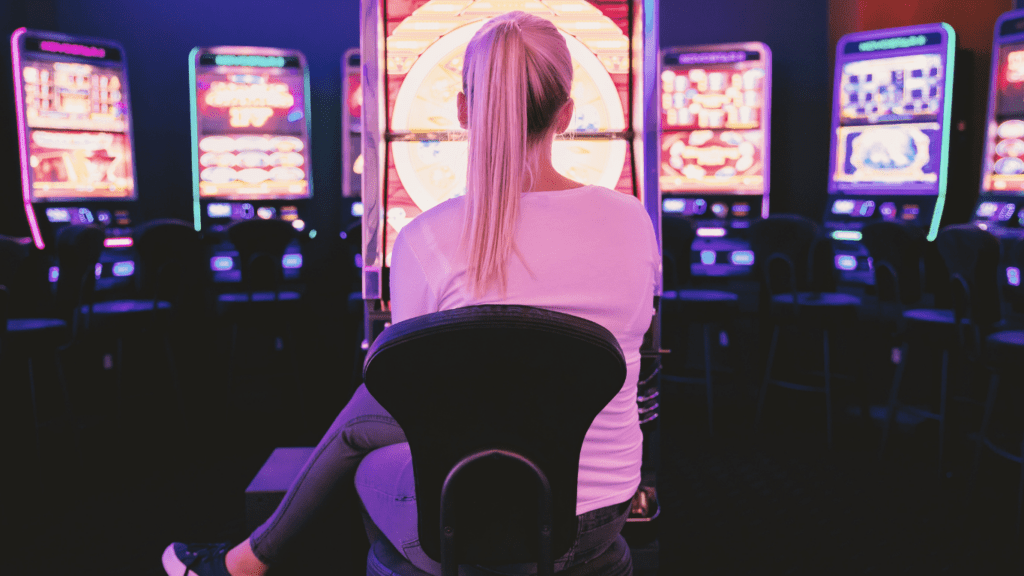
(715, 144)
(1000, 207)
(351, 125)
(250, 147)
(891, 116)
(74, 121)
(414, 153)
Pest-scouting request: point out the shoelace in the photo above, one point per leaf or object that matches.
(203, 553)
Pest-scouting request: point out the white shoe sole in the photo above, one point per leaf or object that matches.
(172, 565)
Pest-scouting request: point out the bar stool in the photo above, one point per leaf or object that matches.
(795, 264)
(971, 256)
(691, 305)
(1004, 357)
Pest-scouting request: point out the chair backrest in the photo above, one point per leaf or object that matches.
(78, 251)
(677, 236)
(972, 254)
(170, 259)
(897, 253)
(512, 378)
(261, 245)
(788, 240)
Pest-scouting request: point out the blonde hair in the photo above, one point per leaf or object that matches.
(517, 75)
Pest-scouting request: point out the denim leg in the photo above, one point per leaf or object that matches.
(362, 426)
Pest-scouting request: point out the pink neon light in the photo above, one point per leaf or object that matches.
(710, 232)
(19, 99)
(73, 49)
(118, 242)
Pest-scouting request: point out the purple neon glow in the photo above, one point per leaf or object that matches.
(19, 101)
(73, 49)
(118, 242)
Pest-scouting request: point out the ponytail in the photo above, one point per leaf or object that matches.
(516, 76)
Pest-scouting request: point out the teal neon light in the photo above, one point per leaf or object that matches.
(248, 60)
(947, 115)
(892, 43)
(194, 120)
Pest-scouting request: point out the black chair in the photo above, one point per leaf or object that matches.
(169, 253)
(795, 265)
(495, 400)
(1004, 357)
(971, 256)
(261, 246)
(686, 305)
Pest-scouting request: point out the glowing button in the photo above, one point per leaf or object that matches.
(357, 209)
(674, 205)
(99, 270)
(846, 262)
(218, 210)
(122, 269)
(843, 207)
(888, 210)
(987, 209)
(221, 263)
(707, 257)
(720, 210)
(742, 257)
(1013, 276)
(54, 273)
(292, 261)
(266, 212)
(298, 224)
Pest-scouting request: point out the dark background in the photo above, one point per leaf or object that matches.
(157, 37)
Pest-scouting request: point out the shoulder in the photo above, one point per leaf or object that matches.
(439, 218)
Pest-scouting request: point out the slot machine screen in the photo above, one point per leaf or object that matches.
(426, 148)
(891, 117)
(250, 133)
(74, 119)
(714, 108)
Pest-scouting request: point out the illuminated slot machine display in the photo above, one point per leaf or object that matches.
(715, 142)
(250, 146)
(1000, 208)
(414, 150)
(75, 139)
(351, 125)
(891, 110)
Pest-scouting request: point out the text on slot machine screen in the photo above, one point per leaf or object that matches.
(249, 104)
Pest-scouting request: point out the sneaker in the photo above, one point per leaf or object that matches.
(196, 559)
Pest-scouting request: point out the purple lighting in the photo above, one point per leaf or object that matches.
(72, 49)
(712, 58)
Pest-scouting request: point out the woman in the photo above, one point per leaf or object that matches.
(523, 234)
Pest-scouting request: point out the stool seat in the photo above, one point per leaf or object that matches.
(32, 333)
(826, 307)
(1005, 350)
(701, 306)
(385, 560)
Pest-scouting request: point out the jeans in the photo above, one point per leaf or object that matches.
(385, 485)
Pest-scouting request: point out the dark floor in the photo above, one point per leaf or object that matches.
(137, 470)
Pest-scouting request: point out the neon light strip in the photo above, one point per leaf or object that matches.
(19, 105)
(947, 105)
(712, 57)
(710, 232)
(72, 49)
(248, 60)
(892, 43)
(194, 121)
(851, 235)
(118, 242)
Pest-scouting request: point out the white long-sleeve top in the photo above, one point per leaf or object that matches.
(590, 252)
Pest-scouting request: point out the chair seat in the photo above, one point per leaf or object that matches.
(701, 306)
(30, 333)
(1004, 350)
(385, 560)
(825, 307)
